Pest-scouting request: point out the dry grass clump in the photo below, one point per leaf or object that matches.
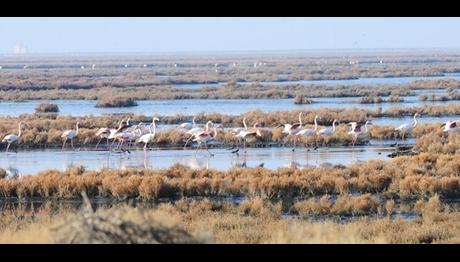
(46, 108)
(120, 226)
(371, 99)
(257, 206)
(116, 101)
(300, 100)
(343, 205)
(438, 142)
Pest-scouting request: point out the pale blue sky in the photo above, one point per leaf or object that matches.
(61, 35)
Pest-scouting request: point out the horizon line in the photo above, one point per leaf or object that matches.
(271, 51)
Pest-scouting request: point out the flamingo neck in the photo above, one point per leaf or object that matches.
(316, 123)
(76, 127)
(415, 120)
(154, 127)
(244, 123)
(300, 119)
(214, 133)
(333, 126)
(20, 132)
(365, 126)
(193, 121)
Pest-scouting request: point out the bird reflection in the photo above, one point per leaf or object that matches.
(196, 162)
(293, 161)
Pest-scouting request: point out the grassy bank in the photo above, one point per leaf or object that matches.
(190, 221)
(403, 177)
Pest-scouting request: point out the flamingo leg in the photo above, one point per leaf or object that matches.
(206, 146)
(8, 146)
(145, 147)
(107, 143)
(63, 144)
(71, 143)
(186, 142)
(198, 147)
(112, 144)
(294, 144)
(100, 139)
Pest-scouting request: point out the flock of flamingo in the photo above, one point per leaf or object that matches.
(126, 133)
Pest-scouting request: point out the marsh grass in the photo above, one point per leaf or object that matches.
(404, 177)
(203, 221)
(116, 101)
(46, 108)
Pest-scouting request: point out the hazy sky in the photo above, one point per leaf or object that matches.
(58, 35)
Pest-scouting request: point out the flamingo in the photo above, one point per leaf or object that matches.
(451, 126)
(253, 132)
(195, 131)
(107, 133)
(308, 132)
(205, 137)
(148, 138)
(407, 128)
(328, 131)
(12, 137)
(125, 137)
(357, 132)
(293, 129)
(103, 132)
(70, 134)
(236, 132)
(188, 126)
(121, 128)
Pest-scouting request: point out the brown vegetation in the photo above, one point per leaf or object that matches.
(405, 177)
(46, 108)
(254, 221)
(115, 101)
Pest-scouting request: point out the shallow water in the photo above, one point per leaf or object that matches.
(195, 106)
(370, 81)
(31, 162)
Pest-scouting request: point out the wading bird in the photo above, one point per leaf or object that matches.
(70, 134)
(148, 138)
(357, 130)
(293, 129)
(12, 137)
(408, 127)
(205, 137)
(188, 125)
(254, 132)
(236, 133)
(451, 126)
(107, 133)
(195, 131)
(328, 131)
(308, 132)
